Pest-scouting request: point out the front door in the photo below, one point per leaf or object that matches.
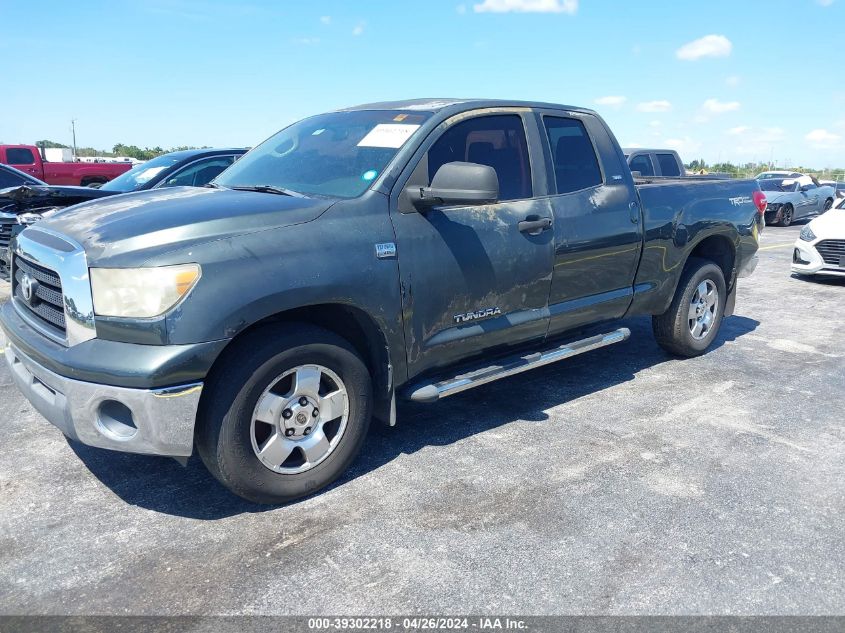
(471, 280)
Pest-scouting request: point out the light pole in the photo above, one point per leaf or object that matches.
(73, 130)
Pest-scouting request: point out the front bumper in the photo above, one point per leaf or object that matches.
(152, 421)
(806, 260)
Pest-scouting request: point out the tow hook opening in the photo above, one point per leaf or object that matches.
(115, 420)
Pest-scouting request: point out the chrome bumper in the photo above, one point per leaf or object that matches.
(156, 421)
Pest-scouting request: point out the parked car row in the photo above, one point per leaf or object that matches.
(820, 247)
(793, 198)
(28, 159)
(24, 199)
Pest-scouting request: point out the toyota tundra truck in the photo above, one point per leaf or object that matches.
(395, 251)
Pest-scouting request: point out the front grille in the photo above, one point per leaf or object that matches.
(832, 251)
(6, 232)
(47, 304)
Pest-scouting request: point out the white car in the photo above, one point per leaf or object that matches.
(820, 247)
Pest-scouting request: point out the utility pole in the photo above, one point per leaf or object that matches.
(73, 129)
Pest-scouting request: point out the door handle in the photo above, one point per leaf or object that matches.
(634, 209)
(535, 226)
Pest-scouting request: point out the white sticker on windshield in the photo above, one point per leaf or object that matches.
(391, 135)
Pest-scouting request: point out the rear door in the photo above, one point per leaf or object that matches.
(597, 222)
(471, 280)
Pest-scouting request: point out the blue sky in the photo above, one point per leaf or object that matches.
(735, 80)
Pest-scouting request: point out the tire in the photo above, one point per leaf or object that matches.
(787, 216)
(828, 204)
(267, 368)
(673, 329)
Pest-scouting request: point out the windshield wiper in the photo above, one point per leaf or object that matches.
(281, 191)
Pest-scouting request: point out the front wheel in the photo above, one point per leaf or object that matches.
(693, 319)
(286, 414)
(787, 215)
(828, 204)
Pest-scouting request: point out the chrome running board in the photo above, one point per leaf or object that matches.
(434, 391)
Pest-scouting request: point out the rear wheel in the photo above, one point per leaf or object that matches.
(786, 215)
(286, 414)
(693, 319)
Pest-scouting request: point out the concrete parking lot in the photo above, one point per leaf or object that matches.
(620, 482)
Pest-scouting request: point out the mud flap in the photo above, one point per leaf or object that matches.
(730, 304)
(384, 410)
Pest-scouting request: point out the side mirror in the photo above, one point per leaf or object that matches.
(457, 183)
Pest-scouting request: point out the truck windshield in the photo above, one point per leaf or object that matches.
(140, 175)
(338, 154)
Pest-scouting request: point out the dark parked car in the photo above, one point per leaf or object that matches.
(397, 250)
(25, 199)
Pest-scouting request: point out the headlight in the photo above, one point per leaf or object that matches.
(141, 292)
(28, 218)
(773, 206)
(807, 234)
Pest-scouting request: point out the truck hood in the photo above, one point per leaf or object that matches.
(39, 198)
(128, 229)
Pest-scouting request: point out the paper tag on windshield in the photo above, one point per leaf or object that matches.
(391, 135)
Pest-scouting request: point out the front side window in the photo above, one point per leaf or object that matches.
(497, 141)
(642, 164)
(573, 155)
(19, 156)
(668, 165)
(338, 154)
(200, 173)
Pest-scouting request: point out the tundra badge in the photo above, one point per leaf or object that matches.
(478, 314)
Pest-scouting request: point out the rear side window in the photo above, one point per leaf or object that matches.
(668, 165)
(200, 173)
(642, 164)
(575, 162)
(497, 141)
(19, 156)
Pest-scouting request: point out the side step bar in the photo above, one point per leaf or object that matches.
(434, 391)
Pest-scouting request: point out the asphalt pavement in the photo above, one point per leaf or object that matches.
(620, 482)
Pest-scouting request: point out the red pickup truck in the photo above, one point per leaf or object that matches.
(28, 159)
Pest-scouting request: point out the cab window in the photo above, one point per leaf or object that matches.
(19, 156)
(497, 141)
(642, 164)
(575, 163)
(668, 165)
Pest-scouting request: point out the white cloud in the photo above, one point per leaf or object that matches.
(613, 101)
(654, 123)
(326, 19)
(707, 46)
(461, 9)
(714, 106)
(527, 6)
(684, 146)
(307, 41)
(738, 130)
(359, 28)
(654, 106)
(733, 81)
(822, 139)
(825, 3)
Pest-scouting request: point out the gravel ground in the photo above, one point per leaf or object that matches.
(620, 482)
